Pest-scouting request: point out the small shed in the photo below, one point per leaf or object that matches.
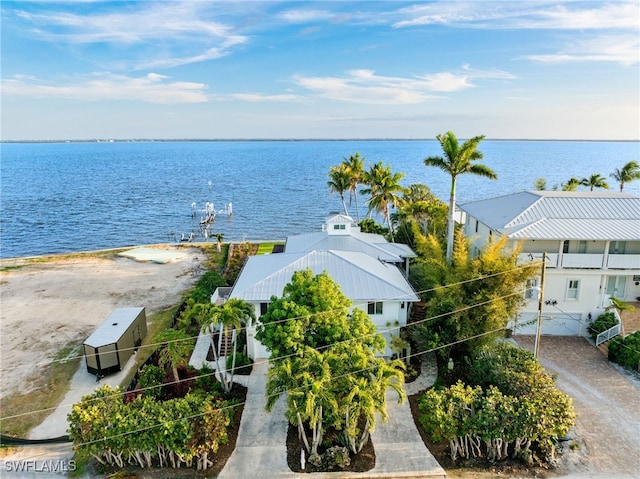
(112, 344)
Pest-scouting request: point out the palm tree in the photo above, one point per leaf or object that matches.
(458, 159)
(177, 346)
(339, 182)
(595, 181)
(355, 167)
(571, 185)
(231, 316)
(385, 189)
(629, 172)
(219, 238)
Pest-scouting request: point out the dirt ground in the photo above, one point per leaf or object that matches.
(46, 305)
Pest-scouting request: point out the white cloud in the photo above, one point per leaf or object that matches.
(364, 86)
(604, 48)
(524, 15)
(182, 32)
(262, 98)
(152, 88)
(305, 16)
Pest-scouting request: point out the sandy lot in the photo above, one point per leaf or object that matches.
(44, 306)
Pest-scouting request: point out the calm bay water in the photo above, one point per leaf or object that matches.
(63, 197)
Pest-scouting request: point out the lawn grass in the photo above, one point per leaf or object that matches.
(266, 248)
(48, 390)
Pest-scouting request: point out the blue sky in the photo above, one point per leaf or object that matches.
(249, 69)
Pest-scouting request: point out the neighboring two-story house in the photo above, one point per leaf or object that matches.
(592, 241)
(370, 271)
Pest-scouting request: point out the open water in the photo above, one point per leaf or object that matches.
(64, 197)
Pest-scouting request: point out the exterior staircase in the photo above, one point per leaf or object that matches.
(226, 342)
(418, 312)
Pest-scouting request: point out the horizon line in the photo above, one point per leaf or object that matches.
(239, 139)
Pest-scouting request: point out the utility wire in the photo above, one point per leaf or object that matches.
(354, 305)
(394, 328)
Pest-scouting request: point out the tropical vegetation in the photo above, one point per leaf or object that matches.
(509, 404)
(147, 432)
(629, 172)
(470, 299)
(458, 160)
(323, 357)
(626, 350)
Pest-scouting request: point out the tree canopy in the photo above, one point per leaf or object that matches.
(323, 355)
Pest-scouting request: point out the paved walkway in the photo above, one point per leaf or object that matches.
(261, 449)
(607, 403)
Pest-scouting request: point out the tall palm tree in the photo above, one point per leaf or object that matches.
(596, 180)
(355, 166)
(340, 182)
(384, 189)
(458, 159)
(629, 172)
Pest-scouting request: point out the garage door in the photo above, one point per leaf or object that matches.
(552, 324)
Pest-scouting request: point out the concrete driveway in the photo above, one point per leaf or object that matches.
(607, 401)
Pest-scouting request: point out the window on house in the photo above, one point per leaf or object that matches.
(374, 307)
(573, 289)
(582, 247)
(263, 308)
(476, 226)
(565, 246)
(617, 247)
(339, 227)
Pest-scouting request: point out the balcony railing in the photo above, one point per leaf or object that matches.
(586, 260)
(582, 260)
(623, 261)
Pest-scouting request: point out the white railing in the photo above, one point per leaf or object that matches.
(623, 261)
(582, 260)
(612, 332)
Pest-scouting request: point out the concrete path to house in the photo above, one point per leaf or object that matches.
(261, 449)
(606, 399)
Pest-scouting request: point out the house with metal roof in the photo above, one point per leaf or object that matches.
(365, 266)
(591, 240)
(340, 232)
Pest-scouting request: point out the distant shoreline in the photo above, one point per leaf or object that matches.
(238, 140)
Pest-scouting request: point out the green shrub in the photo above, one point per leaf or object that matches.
(206, 286)
(336, 456)
(241, 362)
(151, 377)
(602, 323)
(206, 381)
(626, 351)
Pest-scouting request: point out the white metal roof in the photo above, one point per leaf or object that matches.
(113, 327)
(586, 215)
(371, 244)
(361, 277)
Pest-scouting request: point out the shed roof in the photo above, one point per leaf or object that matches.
(361, 277)
(112, 329)
(585, 215)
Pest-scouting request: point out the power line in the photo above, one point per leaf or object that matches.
(354, 305)
(394, 328)
(279, 393)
